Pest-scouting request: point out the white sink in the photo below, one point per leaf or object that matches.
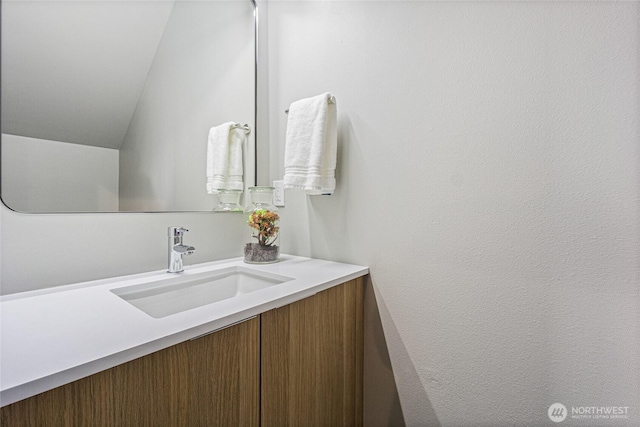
(184, 292)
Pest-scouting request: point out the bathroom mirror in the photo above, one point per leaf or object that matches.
(106, 105)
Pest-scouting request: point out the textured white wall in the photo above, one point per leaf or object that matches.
(86, 176)
(488, 175)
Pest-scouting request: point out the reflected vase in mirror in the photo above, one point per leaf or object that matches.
(229, 201)
(264, 223)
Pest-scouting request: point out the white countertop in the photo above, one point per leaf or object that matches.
(58, 335)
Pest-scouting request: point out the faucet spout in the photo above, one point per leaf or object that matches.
(177, 249)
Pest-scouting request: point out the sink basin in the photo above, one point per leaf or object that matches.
(176, 294)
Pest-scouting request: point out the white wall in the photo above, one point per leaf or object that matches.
(488, 175)
(202, 76)
(41, 251)
(86, 176)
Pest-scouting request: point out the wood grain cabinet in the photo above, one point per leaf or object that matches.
(299, 365)
(312, 354)
(209, 381)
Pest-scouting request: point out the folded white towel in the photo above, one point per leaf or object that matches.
(224, 158)
(311, 145)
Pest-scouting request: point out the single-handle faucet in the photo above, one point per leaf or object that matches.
(177, 249)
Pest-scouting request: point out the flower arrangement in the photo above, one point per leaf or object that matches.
(265, 223)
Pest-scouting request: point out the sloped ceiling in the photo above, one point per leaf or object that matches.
(73, 71)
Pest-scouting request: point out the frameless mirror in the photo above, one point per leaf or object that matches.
(107, 104)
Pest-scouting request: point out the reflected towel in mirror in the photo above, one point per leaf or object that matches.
(224, 158)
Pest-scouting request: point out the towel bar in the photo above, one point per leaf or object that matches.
(331, 100)
(247, 128)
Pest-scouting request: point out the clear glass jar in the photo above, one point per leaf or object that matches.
(229, 201)
(263, 220)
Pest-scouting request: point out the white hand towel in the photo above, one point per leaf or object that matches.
(311, 145)
(224, 158)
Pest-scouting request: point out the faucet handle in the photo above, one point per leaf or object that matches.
(176, 231)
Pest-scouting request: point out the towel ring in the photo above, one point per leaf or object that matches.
(331, 100)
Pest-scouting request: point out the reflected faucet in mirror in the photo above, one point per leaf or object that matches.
(177, 249)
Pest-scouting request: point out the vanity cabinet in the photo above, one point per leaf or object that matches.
(297, 365)
(312, 354)
(209, 381)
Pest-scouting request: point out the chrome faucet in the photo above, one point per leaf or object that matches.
(177, 250)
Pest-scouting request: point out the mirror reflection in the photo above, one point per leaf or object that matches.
(107, 106)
